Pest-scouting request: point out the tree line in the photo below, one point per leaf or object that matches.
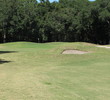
(63, 21)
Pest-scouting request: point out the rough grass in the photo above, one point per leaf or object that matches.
(31, 71)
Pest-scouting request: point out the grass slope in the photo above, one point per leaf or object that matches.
(31, 71)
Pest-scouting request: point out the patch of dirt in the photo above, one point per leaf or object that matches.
(103, 47)
(74, 52)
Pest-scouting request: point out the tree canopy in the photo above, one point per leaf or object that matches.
(63, 21)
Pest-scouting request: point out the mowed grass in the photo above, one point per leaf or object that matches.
(34, 71)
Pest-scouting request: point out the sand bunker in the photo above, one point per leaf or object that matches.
(74, 52)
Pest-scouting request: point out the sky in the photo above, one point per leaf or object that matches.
(50, 0)
(91, 0)
(53, 0)
(57, 0)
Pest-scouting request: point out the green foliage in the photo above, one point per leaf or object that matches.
(66, 20)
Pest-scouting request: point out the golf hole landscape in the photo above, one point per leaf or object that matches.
(35, 71)
(54, 49)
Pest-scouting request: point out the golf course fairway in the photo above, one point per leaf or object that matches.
(39, 71)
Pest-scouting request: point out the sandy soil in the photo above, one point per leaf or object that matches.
(103, 46)
(74, 52)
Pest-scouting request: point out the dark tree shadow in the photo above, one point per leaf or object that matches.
(2, 52)
(4, 61)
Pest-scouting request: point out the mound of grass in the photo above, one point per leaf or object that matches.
(33, 71)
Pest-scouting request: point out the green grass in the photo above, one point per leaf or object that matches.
(40, 72)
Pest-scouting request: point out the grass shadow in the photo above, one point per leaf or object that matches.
(4, 61)
(2, 52)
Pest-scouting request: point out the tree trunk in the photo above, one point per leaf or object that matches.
(4, 33)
